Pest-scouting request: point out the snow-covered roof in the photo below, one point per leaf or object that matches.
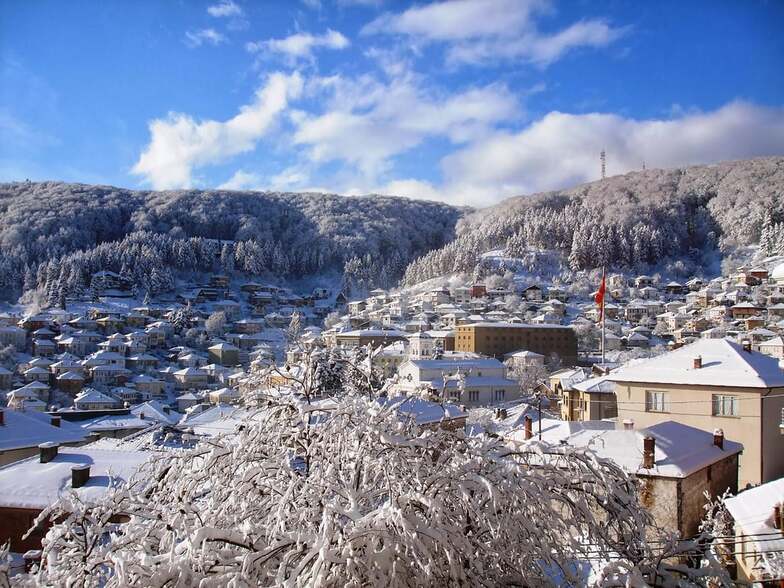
(596, 385)
(156, 411)
(91, 395)
(752, 511)
(680, 450)
(25, 429)
(724, 363)
(498, 325)
(33, 485)
(423, 411)
(463, 364)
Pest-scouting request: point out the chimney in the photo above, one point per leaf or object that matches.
(166, 410)
(141, 415)
(529, 430)
(47, 451)
(2, 417)
(79, 475)
(648, 452)
(697, 362)
(54, 421)
(778, 516)
(718, 438)
(746, 345)
(628, 424)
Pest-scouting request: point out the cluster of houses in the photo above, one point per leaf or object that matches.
(702, 414)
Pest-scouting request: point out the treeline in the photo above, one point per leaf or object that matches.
(55, 235)
(684, 217)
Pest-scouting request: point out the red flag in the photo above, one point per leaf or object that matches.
(599, 298)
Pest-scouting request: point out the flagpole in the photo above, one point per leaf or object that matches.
(603, 317)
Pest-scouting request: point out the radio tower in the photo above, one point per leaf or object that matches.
(603, 158)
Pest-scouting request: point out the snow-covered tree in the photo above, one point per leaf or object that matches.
(350, 494)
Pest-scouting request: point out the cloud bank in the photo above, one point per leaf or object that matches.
(179, 144)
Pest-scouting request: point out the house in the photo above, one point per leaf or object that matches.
(593, 400)
(364, 337)
(224, 354)
(773, 347)
(14, 336)
(388, 359)
(744, 310)
(711, 384)
(92, 399)
(676, 465)
(70, 382)
(758, 544)
(21, 432)
(148, 385)
(29, 486)
(191, 377)
(186, 401)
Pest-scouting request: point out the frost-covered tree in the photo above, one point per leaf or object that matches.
(216, 323)
(351, 494)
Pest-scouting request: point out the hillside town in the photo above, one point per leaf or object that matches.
(680, 385)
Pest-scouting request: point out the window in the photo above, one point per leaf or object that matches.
(726, 406)
(656, 401)
(499, 395)
(473, 395)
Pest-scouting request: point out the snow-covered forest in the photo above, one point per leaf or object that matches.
(55, 235)
(687, 218)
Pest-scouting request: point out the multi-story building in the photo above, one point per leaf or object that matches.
(463, 381)
(712, 384)
(498, 339)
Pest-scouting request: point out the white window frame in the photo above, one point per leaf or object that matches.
(657, 401)
(725, 405)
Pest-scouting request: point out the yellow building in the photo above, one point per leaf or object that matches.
(498, 339)
(712, 384)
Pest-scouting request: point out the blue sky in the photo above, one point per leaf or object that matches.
(467, 101)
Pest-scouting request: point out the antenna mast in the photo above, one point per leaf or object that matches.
(603, 158)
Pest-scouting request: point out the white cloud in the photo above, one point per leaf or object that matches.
(199, 38)
(482, 31)
(539, 49)
(300, 46)
(242, 180)
(179, 144)
(367, 122)
(561, 150)
(224, 8)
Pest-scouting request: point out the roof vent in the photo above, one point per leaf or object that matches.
(746, 345)
(697, 362)
(628, 424)
(778, 516)
(47, 451)
(54, 421)
(80, 474)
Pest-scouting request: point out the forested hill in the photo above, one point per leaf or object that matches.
(678, 220)
(55, 235)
